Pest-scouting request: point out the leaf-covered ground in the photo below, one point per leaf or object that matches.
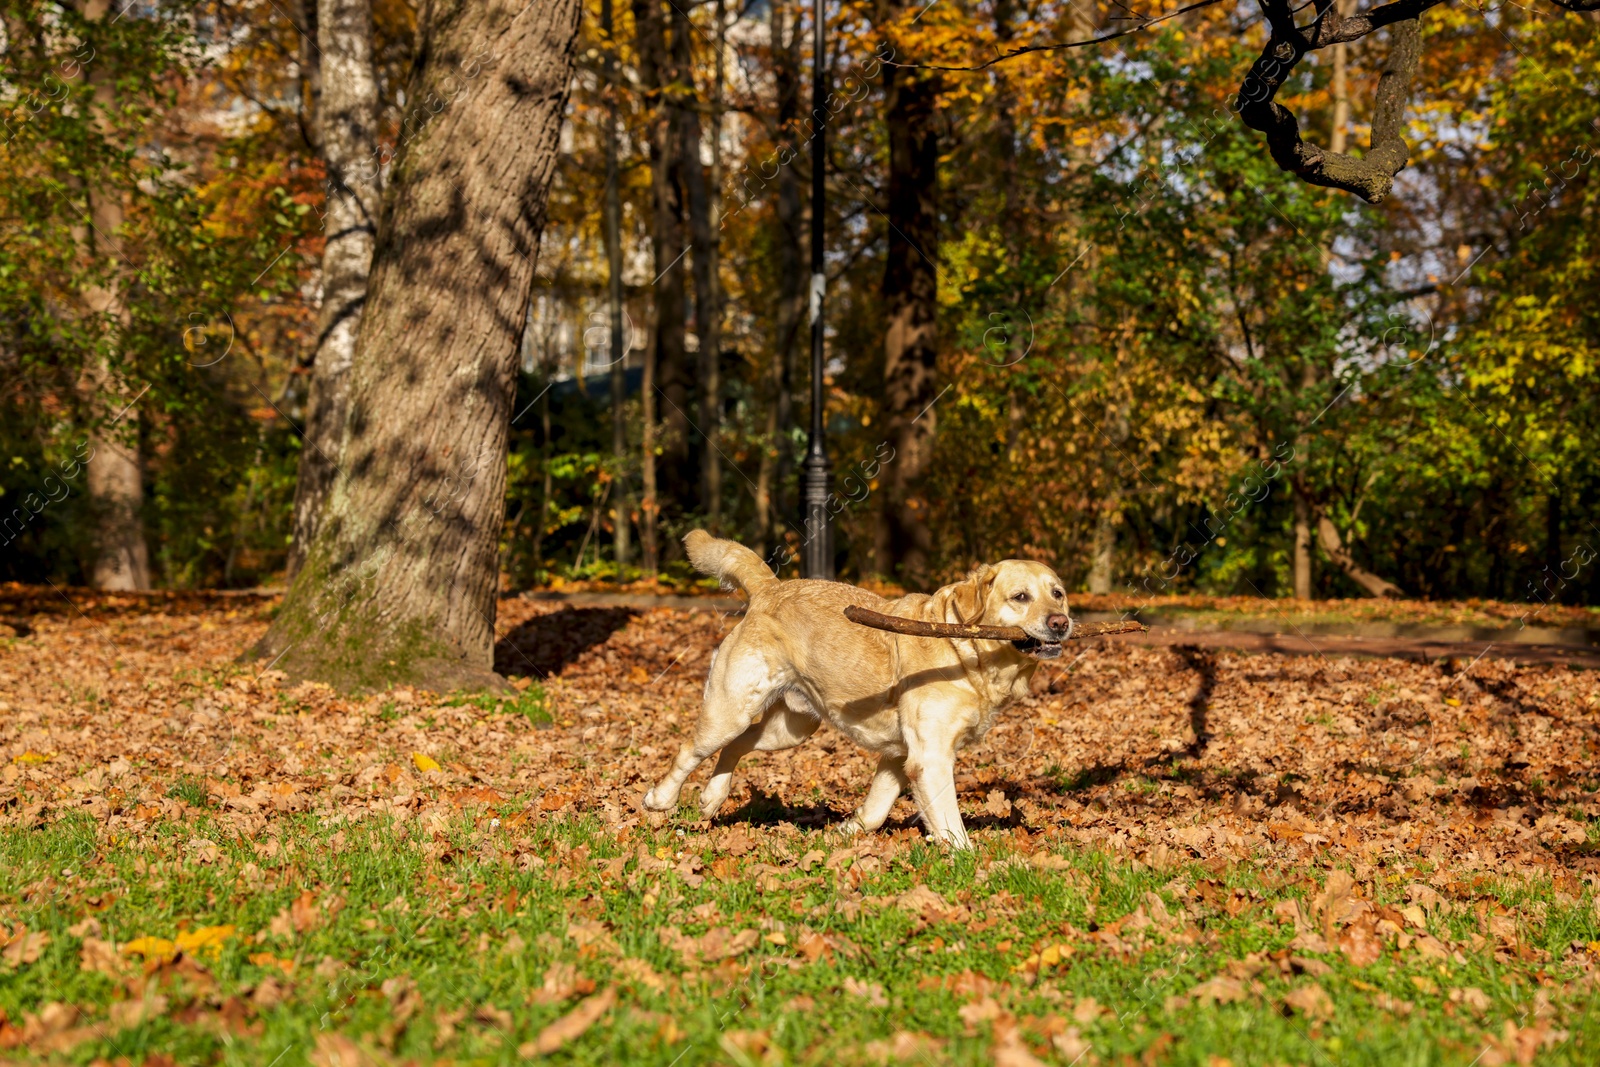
(1183, 857)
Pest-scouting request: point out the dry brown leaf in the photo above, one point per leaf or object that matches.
(24, 946)
(1360, 942)
(126, 1014)
(570, 1026)
(871, 992)
(1310, 1000)
(1223, 989)
(751, 1046)
(1472, 998)
(996, 804)
(561, 982)
(1333, 904)
(334, 1049)
(100, 956)
(88, 927)
(305, 914)
(1009, 1051)
(905, 1046)
(641, 973)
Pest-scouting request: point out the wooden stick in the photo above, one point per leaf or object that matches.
(915, 628)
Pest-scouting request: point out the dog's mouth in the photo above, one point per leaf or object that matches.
(1038, 649)
(1044, 647)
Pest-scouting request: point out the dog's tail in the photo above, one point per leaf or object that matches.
(730, 561)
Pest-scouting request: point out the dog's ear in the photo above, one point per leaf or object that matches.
(965, 601)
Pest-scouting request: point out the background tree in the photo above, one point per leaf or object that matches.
(347, 135)
(402, 578)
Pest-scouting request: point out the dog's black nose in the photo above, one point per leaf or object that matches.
(1060, 624)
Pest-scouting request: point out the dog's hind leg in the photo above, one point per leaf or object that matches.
(888, 782)
(739, 689)
(778, 730)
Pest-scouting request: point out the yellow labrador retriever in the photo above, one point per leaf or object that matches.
(795, 661)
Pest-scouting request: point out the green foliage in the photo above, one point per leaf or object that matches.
(530, 703)
(145, 334)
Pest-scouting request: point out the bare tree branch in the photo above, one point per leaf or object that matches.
(1369, 177)
(1057, 46)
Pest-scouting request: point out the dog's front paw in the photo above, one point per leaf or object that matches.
(852, 826)
(655, 802)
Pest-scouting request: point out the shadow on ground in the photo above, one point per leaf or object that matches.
(546, 644)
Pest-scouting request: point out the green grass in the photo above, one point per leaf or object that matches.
(529, 703)
(430, 905)
(191, 791)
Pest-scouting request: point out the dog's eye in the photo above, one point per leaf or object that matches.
(1020, 598)
(1058, 594)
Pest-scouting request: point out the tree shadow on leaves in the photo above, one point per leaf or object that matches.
(547, 644)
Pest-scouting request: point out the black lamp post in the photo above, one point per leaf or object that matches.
(817, 472)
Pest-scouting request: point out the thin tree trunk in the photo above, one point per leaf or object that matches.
(776, 458)
(400, 584)
(1302, 548)
(348, 126)
(1552, 536)
(548, 487)
(621, 524)
(1337, 136)
(307, 23)
(704, 239)
(115, 482)
(711, 335)
(648, 506)
(1103, 560)
(659, 77)
(910, 298)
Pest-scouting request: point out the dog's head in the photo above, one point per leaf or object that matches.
(1013, 592)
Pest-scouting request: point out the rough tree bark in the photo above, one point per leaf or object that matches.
(1370, 176)
(400, 584)
(910, 299)
(114, 482)
(348, 130)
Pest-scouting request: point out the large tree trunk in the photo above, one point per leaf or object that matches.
(348, 127)
(658, 73)
(400, 584)
(910, 299)
(115, 482)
